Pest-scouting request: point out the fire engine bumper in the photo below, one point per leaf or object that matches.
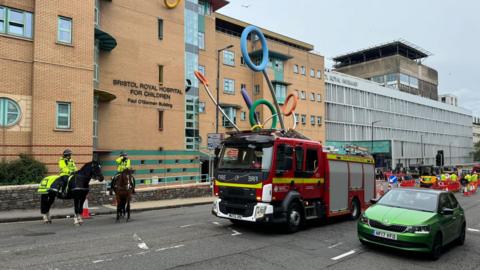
(261, 212)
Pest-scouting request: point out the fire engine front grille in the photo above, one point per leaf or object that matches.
(237, 208)
(233, 193)
(392, 227)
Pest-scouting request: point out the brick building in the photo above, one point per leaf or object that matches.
(104, 76)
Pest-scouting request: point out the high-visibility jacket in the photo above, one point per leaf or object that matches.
(67, 167)
(468, 177)
(453, 177)
(443, 177)
(475, 177)
(123, 163)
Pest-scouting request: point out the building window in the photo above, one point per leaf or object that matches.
(243, 86)
(319, 97)
(297, 118)
(232, 114)
(319, 74)
(228, 58)
(312, 96)
(160, 74)
(295, 68)
(280, 93)
(63, 115)
(319, 120)
(256, 90)
(304, 119)
(242, 61)
(201, 41)
(160, 29)
(16, 22)
(97, 13)
(201, 107)
(64, 30)
(302, 95)
(160, 120)
(312, 120)
(243, 116)
(312, 73)
(201, 69)
(229, 86)
(303, 71)
(9, 112)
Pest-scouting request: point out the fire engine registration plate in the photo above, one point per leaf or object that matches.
(385, 235)
(235, 216)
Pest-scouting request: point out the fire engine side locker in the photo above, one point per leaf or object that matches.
(369, 182)
(338, 199)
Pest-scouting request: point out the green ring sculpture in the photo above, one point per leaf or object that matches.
(251, 117)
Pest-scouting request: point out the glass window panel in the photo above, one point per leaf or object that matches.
(228, 58)
(201, 40)
(28, 25)
(312, 72)
(16, 30)
(64, 37)
(63, 108)
(319, 74)
(295, 68)
(15, 16)
(62, 121)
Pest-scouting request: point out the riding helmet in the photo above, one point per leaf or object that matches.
(67, 152)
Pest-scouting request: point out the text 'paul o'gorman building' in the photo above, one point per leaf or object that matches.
(103, 76)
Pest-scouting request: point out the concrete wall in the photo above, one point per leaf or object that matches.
(25, 197)
(428, 77)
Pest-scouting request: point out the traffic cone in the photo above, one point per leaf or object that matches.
(465, 191)
(85, 212)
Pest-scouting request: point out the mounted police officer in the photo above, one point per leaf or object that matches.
(67, 168)
(123, 163)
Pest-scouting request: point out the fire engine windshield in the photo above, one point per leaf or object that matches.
(246, 156)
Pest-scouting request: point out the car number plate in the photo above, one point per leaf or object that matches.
(235, 216)
(386, 235)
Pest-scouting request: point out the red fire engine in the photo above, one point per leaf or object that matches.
(282, 177)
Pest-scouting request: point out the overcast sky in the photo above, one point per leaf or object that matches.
(450, 30)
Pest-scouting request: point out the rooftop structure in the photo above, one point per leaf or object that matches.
(398, 47)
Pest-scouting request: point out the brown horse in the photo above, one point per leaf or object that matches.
(124, 186)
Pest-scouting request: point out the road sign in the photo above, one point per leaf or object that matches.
(214, 140)
(392, 179)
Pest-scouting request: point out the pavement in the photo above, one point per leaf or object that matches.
(106, 209)
(191, 238)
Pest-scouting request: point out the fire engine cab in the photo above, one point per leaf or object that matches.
(283, 177)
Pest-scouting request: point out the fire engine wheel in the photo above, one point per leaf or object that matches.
(295, 217)
(355, 209)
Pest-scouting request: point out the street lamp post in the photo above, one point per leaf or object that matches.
(218, 87)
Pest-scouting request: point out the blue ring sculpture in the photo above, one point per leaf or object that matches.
(246, 56)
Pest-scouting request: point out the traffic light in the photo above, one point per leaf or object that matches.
(439, 160)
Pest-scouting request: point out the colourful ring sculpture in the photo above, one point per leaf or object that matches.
(243, 46)
(251, 117)
(294, 105)
(201, 78)
(247, 98)
(171, 5)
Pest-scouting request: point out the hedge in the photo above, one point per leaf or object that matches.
(24, 170)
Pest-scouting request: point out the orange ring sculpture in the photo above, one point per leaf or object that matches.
(201, 78)
(171, 5)
(294, 105)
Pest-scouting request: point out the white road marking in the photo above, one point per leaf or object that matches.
(136, 237)
(142, 253)
(336, 245)
(473, 230)
(216, 223)
(235, 233)
(98, 261)
(167, 248)
(186, 226)
(343, 255)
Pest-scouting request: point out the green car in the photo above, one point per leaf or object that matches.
(414, 219)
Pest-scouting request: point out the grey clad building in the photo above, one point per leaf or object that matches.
(396, 65)
(406, 129)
